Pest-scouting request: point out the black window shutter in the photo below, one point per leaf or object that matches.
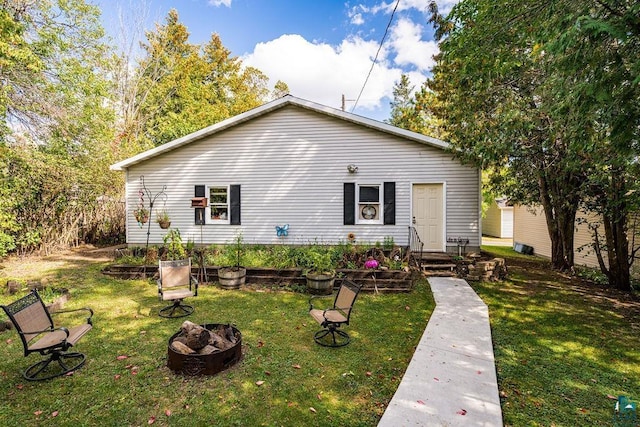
(349, 203)
(234, 198)
(389, 203)
(199, 212)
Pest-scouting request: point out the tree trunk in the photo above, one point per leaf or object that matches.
(618, 252)
(560, 225)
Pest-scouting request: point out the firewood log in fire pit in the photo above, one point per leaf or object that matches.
(197, 336)
(197, 339)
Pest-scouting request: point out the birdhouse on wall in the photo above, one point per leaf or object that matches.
(199, 202)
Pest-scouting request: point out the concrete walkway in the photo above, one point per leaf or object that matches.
(451, 379)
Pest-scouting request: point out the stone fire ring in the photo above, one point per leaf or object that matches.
(205, 364)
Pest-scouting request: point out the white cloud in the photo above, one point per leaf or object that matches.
(444, 6)
(218, 3)
(322, 73)
(411, 50)
(357, 19)
(355, 14)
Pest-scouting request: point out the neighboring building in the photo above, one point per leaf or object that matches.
(531, 229)
(324, 172)
(498, 219)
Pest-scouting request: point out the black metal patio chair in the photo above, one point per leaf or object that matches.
(38, 333)
(175, 283)
(335, 316)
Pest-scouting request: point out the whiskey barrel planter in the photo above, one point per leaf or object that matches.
(320, 283)
(232, 277)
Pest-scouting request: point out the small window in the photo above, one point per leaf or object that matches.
(368, 206)
(219, 204)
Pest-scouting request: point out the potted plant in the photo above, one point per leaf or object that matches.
(163, 220)
(141, 214)
(321, 275)
(232, 277)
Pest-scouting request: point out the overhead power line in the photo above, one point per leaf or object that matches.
(376, 57)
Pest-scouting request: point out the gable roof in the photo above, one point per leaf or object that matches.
(272, 106)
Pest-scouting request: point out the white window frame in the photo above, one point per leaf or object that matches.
(209, 219)
(380, 204)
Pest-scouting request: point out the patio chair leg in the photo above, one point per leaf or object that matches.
(67, 362)
(176, 310)
(321, 334)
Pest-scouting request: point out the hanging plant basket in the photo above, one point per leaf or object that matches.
(164, 224)
(142, 216)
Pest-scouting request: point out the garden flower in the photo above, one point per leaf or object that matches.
(371, 263)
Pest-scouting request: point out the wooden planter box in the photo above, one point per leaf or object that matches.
(372, 280)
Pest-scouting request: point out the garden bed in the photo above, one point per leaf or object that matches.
(372, 280)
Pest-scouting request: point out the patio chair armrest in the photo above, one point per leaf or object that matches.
(317, 296)
(89, 321)
(194, 280)
(62, 328)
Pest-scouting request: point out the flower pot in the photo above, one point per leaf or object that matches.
(320, 283)
(164, 224)
(231, 277)
(142, 219)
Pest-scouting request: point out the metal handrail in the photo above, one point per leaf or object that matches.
(415, 244)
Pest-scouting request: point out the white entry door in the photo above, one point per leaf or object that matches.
(428, 215)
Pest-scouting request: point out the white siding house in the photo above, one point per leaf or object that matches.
(324, 172)
(498, 219)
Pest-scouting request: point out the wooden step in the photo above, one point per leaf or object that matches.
(438, 266)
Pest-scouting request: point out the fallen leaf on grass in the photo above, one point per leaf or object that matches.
(368, 373)
(122, 357)
(406, 307)
(312, 409)
(70, 373)
(20, 386)
(37, 413)
(611, 397)
(117, 376)
(54, 413)
(9, 341)
(151, 420)
(167, 412)
(297, 366)
(259, 383)
(267, 373)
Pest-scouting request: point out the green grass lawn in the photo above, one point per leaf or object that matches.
(563, 348)
(304, 384)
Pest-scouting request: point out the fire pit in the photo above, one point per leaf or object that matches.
(204, 349)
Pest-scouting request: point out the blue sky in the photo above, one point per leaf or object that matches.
(321, 48)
